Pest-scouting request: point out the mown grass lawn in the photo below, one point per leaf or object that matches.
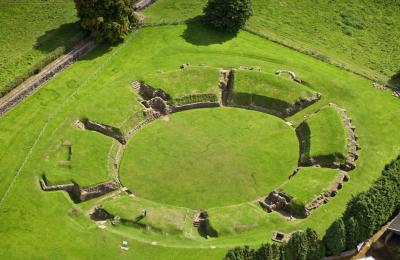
(99, 87)
(210, 157)
(323, 137)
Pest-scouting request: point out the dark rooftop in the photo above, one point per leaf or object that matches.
(395, 225)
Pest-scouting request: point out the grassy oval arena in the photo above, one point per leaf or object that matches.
(136, 142)
(210, 157)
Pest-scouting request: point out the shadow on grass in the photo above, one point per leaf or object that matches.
(136, 224)
(394, 81)
(206, 230)
(65, 37)
(245, 99)
(197, 33)
(303, 133)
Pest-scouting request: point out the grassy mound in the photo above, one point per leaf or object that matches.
(307, 184)
(209, 157)
(268, 91)
(190, 85)
(323, 137)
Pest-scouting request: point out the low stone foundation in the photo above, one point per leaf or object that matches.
(79, 194)
(275, 201)
(105, 130)
(352, 146)
(291, 74)
(301, 105)
(325, 196)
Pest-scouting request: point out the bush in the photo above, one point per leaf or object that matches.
(227, 15)
(108, 20)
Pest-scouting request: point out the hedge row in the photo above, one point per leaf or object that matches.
(302, 245)
(366, 212)
(364, 215)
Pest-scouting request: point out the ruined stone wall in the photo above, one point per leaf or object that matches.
(226, 84)
(105, 130)
(79, 194)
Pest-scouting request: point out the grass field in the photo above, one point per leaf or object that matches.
(323, 137)
(203, 81)
(359, 35)
(99, 87)
(32, 34)
(308, 183)
(210, 157)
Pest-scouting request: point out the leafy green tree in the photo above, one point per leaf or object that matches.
(240, 253)
(351, 227)
(297, 247)
(268, 252)
(315, 248)
(108, 20)
(335, 238)
(227, 15)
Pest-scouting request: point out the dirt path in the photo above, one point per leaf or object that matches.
(35, 82)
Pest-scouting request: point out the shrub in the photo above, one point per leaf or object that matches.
(227, 15)
(108, 20)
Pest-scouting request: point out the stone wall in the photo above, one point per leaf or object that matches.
(226, 83)
(79, 194)
(105, 130)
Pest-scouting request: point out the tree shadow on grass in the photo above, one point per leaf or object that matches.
(62, 39)
(65, 36)
(197, 33)
(394, 81)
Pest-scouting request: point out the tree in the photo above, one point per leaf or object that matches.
(315, 247)
(351, 227)
(268, 252)
(227, 15)
(108, 20)
(335, 238)
(297, 247)
(240, 253)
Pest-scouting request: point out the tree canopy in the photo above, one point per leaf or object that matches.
(108, 20)
(227, 15)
